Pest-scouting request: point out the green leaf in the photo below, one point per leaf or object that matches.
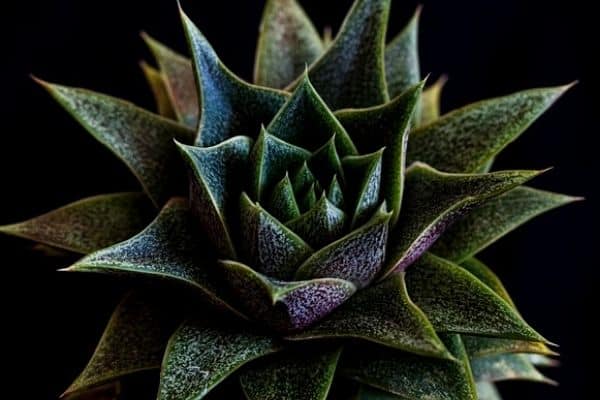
(306, 121)
(364, 177)
(159, 90)
(402, 58)
(178, 77)
(431, 101)
(410, 376)
(89, 224)
(382, 314)
(487, 276)
(494, 219)
(456, 301)
(326, 162)
(479, 346)
(229, 106)
(356, 257)
(369, 393)
(503, 367)
(283, 204)
(303, 178)
(109, 391)
(141, 139)
(214, 184)
(288, 42)
(386, 126)
(433, 200)
(465, 140)
(270, 159)
(309, 199)
(319, 226)
(335, 193)
(304, 373)
(166, 249)
(201, 354)
(286, 306)
(487, 391)
(351, 73)
(133, 341)
(270, 246)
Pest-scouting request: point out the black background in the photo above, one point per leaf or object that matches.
(487, 49)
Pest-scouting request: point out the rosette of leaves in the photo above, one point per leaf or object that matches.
(330, 225)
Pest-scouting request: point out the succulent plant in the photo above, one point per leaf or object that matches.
(327, 245)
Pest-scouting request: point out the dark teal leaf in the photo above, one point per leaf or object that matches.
(456, 301)
(319, 226)
(89, 224)
(433, 200)
(383, 314)
(364, 179)
(159, 90)
(302, 178)
(402, 58)
(288, 42)
(503, 367)
(304, 373)
(178, 76)
(487, 276)
(487, 391)
(466, 139)
(141, 139)
(431, 101)
(335, 193)
(270, 246)
(479, 346)
(326, 162)
(286, 306)
(283, 204)
(201, 354)
(494, 219)
(308, 199)
(229, 106)
(214, 184)
(351, 73)
(356, 257)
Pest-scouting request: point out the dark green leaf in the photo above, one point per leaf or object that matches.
(89, 224)
(214, 184)
(229, 106)
(303, 178)
(503, 367)
(321, 224)
(109, 391)
(364, 176)
(494, 219)
(487, 276)
(283, 204)
(479, 346)
(466, 139)
(335, 193)
(433, 200)
(326, 162)
(288, 42)
(142, 140)
(455, 301)
(369, 393)
(356, 257)
(201, 354)
(487, 391)
(402, 58)
(309, 199)
(305, 373)
(159, 90)
(383, 314)
(431, 101)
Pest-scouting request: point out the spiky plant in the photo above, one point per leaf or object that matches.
(318, 256)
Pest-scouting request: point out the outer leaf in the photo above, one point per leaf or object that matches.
(133, 341)
(466, 139)
(487, 276)
(494, 219)
(351, 73)
(369, 393)
(286, 306)
(288, 42)
(502, 367)
(110, 391)
(356, 257)
(88, 224)
(402, 58)
(229, 106)
(166, 249)
(214, 183)
(383, 314)
(201, 354)
(321, 224)
(456, 301)
(283, 204)
(434, 200)
(272, 248)
(431, 101)
(487, 391)
(478, 346)
(300, 374)
(159, 90)
(386, 126)
(142, 140)
(306, 121)
(364, 174)
(179, 81)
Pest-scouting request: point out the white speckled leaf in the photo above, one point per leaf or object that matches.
(179, 80)
(335, 193)
(320, 225)
(229, 106)
(364, 184)
(356, 257)
(382, 314)
(480, 346)
(494, 219)
(288, 42)
(503, 367)
(304, 373)
(201, 354)
(456, 301)
(89, 224)
(433, 200)
(466, 139)
(141, 139)
(214, 184)
(431, 101)
(402, 58)
(159, 90)
(282, 203)
(286, 306)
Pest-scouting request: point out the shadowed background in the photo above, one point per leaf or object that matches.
(487, 48)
